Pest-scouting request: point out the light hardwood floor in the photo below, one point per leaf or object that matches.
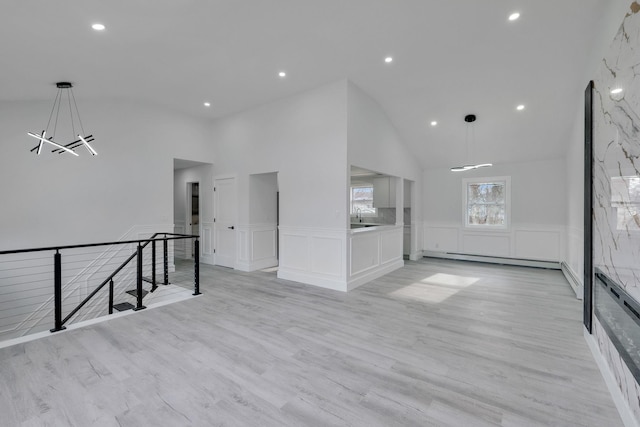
(437, 343)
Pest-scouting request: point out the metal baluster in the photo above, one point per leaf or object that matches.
(196, 267)
(139, 305)
(111, 296)
(153, 264)
(166, 260)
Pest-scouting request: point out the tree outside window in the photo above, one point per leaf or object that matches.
(486, 202)
(362, 200)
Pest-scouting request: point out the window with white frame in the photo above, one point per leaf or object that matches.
(487, 202)
(362, 200)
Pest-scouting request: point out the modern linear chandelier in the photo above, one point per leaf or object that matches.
(65, 95)
(469, 119)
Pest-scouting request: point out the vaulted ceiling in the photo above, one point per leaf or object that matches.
(450, 58)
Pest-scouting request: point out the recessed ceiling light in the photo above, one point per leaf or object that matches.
(207, 104)
(616, 91)
(388, 59)
(282, 74)
(520, 107)
(514, 16)
(98, 27)
(434, 123)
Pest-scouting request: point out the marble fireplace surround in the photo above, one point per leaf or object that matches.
(616, 189)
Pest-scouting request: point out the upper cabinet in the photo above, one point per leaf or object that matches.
(384, 192)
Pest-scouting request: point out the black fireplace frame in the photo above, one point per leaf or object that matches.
(629, 306)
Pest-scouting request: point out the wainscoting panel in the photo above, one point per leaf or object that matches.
(256, 246)
(330, 263)
(242, 247)
(365, 252)
(294, 251)
(314, 256)
(373, 253)
(206, 243)
(536, 244)
(264, 244)
(444, 239)
(391, 245)
(486, 244)
(522, 241)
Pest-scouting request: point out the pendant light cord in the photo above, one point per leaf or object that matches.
(55, 101)
(59, 100)
(77, 113)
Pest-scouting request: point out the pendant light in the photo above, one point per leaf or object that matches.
(469, 119)
(64, 96)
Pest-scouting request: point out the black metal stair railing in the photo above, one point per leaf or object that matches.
(60, 321)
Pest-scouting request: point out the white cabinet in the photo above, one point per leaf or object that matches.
(384, 192)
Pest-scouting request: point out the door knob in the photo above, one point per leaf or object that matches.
(231, 228)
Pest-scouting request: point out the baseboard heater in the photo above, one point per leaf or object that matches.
(522, 262)
(575, 284)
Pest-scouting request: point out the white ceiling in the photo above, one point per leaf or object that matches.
(451, 57)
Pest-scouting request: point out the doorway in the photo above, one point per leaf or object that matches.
(407, 216)
(224, 195)
(192, 215)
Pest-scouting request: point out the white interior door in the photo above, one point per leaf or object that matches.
(225, 221)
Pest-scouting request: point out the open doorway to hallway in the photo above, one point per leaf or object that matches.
(407, 232)
(264, 213)
(192, 214)
(193, 207)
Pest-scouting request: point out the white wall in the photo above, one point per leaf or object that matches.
(204, 175)
(59, 199)
(538, 212)
(374, 144)
(304, 139)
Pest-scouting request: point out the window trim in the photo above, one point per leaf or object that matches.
(507, 203)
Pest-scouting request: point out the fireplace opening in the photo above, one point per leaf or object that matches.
(619, 315)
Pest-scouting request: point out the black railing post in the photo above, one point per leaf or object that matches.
(196, 267)
(139, 295)
(111, 296)
(57, 292)
(153, 262)
(165, 249)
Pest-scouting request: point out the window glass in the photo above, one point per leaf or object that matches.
(486, 203)
(362, 200)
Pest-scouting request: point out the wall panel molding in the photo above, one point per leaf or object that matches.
(522, 241)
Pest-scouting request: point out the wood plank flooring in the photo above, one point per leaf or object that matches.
(437, 343)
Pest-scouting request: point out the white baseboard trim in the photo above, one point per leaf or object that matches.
(310, 279)
(494, 260)
(621, 404)
(374, 274)
(571, 277)
(415, 256)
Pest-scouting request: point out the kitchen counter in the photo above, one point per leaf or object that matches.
(359, 227)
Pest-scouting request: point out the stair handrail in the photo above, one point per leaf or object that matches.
(59, 322)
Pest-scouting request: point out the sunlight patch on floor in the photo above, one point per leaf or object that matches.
(436, 288)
